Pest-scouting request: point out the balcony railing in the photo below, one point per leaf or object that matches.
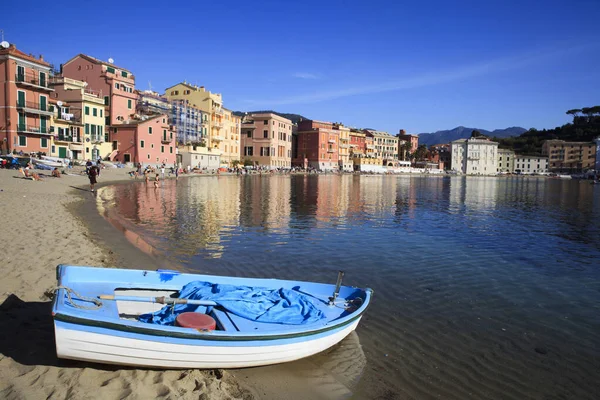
(217, 138)
(30, 79)
(166, 139)
(33, 129)
(218, 110)
(97, 139)
(67, 138)
(331, 150)
(31, 106)
(216, 124)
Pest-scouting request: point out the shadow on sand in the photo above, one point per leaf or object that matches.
(27, 335)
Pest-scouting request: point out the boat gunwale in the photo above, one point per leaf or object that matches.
(136, 327)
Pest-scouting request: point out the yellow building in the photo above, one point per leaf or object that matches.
(344, 148)
(87, 108)
(224, 127)
(66, 130)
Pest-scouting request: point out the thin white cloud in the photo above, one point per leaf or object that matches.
(305, 75)
(427, 79)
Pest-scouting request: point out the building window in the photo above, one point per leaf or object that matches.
(162, 149)
(87, 149)
(44, 142)
(116, 85)
(129, 104)
(249, 134)
(266, 122)
(148, 156)
(95, 112)
(142, 144)
(171, 150)
(101, 113)
(20, 99)
(110, 69)
(248, 151)
(87, 110)
(87, 129)
(150, 130)
(106, 101)
(22, 140)
(124, 74)
(266, 134)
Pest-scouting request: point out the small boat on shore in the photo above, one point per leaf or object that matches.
(47, 163)
(168, 319)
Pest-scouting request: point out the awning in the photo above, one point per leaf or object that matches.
(75, 146)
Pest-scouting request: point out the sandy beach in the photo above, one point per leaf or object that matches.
(39, 231)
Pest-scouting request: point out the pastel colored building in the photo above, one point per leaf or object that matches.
(149, 141)
(530, 164)
(475, 156)
(506, 161)
(412, 139)
(200, 157)
(267, 140)
(318, 145)
(370, 146)
(569, 156)
(357, 142)
(115, 85)
(597, 165)
(345, 162)
(223, 126)
(67, 130)
(368, 164)
(24, 102)
(386, 145)
(83, 105)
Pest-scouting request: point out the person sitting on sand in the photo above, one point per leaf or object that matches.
(56, 173)
(156, 180)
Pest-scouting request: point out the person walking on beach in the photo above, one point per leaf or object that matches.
(162, 171)
(176, 172)
(92, 174)
(156, 180)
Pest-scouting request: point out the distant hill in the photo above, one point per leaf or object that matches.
(292, 117)
(462, 132)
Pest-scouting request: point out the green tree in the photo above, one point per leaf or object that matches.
(421, 153)
(476, 134)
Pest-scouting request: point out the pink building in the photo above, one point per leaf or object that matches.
(317, 146)
(114, 84)
(149, 142)
(413, 139)
(24, 102)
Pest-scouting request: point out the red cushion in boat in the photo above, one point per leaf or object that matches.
(196, 321)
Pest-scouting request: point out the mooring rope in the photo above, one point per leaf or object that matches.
(69, 291)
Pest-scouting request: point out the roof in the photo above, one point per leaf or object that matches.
(97, 61)
(181, 83)
(12, 50)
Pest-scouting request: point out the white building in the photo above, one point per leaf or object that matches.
(475, 156)
(531, 164)
(199, 157)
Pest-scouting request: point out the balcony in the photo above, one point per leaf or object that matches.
(68, 118)
(97, 139)
(370, 147)
(331, 140)
(33, 108)
(33, 81)
(331, 150)
(33, 129)
(166, 140)
(344, 146)
(218, 110)
(217, 125)
(66, 138)
(217, 138)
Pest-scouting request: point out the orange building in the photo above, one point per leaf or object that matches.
(24, 102)
(317, 146)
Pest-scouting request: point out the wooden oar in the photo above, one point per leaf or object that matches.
(159, 300)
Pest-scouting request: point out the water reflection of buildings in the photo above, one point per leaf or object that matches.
(475, 193)
(265, 202)
(207, 209)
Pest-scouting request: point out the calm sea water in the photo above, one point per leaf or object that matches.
(484, 287)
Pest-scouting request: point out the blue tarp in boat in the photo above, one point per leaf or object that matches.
(277, 306)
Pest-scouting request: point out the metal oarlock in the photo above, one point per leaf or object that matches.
(338, 284)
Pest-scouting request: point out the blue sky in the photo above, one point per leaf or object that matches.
(416, 65)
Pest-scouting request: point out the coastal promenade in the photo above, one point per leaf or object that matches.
(41, 229)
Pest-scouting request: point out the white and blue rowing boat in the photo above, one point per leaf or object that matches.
(121, 316)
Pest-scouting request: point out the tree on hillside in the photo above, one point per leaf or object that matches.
(574, 112)
(476, 134)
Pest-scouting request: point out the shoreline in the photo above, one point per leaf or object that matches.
(48, 223)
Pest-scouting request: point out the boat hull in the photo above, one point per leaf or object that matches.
(113, 347)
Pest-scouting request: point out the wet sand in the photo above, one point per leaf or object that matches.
(41, 228)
